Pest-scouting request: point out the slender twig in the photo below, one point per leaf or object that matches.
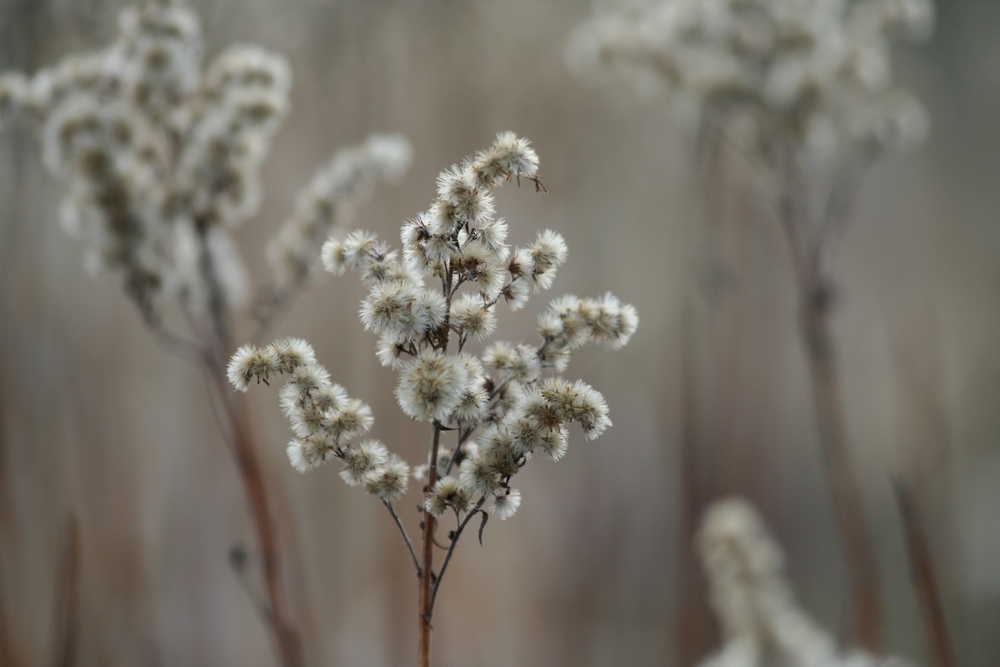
(427, 568)
(67, 607)
(454, 541)
(176, 343)
(924, 579)
(284, 631)
(238, 561)
(406, 538)
(848, 505)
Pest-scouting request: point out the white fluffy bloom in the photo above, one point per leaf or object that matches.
(548, 253)
(389, 482)
(509, 157)
(447, 492)
(401, 310)
(505, 504)
(362, 459)
(290, 353)
(516, 294)
(477, 477)
(249, 362)
(309, 452)
(471, 317)
(431, 386)
(518, 362)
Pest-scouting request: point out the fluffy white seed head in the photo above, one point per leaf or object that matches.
(471, 317)
(478, 477)
(447, 492)
(352, 420)
(548, 253)
(579, 403)
(432, 386)
(309, 452)
(402, 310)
(505, 504)
(516, 362)
(509, 157)
(290, 353)
(389, 482)
(362, 459)
(250, 362)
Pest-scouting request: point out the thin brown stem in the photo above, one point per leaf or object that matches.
(66, 610)
(451, 549)
(284, 630)
(924, 579)
(427, 567)
(406, 537)
(251, 474)
(824, 375)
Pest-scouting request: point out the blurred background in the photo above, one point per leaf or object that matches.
(113, 473)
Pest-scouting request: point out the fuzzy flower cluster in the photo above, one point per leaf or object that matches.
(430, 301)
(812, 73)
(325, 420)
(761, 623)
(328, 199)
(162, 156)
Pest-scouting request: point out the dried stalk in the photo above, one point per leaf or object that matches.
(426, 570)
(67, 606)
(814, 304)
(924, 579)
(285, 634)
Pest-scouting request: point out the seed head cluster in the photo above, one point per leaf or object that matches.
(162, 156)
(429, 303)
(325, 420)
(814, 73)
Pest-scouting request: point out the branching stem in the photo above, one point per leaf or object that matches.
(451, 549)
(406, 537)
(814, 299)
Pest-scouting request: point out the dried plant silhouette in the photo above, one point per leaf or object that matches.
(427, 306)
(804, 89)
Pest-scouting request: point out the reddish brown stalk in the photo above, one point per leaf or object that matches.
(286, 636)
(262, 514)
(426, 568)
(66, 608)
(924, 579)
(824, 376)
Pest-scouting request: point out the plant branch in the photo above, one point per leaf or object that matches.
(427, 568)
(848, 505)
(454, 541)
(924, 579)
(406, 538)
(284, 631)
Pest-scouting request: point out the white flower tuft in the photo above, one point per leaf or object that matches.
(505, 504)
(431, 386)
(389, 482)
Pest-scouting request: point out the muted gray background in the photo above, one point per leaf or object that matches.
(98, 422)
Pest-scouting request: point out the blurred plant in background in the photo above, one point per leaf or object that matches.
(504, 395)
(161, 159)
(804, 90)
(761, 622)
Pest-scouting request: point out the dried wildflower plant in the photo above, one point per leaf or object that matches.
(426, 305)
(804, 88)
(762, 626)
(161, 158)
(812, 76)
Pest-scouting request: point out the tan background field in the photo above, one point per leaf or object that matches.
(99, 423)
